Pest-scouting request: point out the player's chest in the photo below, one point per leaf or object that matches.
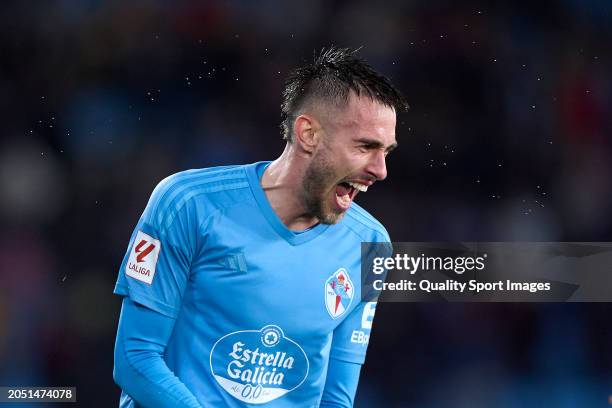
(261, 276)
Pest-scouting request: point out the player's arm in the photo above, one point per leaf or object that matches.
(347, 354)
(341, 384)
(140, 369)
(152, 279)
(350, 342)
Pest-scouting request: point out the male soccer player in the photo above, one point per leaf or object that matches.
(242, 284)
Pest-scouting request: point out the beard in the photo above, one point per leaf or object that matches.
(319, 181)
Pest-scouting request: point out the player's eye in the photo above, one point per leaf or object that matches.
(367, 147)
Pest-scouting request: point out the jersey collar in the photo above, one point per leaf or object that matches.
(254, 172)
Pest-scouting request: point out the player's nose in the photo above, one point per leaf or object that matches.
(377, 165)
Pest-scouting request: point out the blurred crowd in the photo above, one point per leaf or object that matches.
(508, 139)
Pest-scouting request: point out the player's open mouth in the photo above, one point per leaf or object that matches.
(346, 192)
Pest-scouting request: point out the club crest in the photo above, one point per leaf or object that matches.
(339, 292)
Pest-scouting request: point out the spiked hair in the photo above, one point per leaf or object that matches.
(330, 77)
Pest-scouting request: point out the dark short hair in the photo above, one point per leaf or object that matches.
(331, 76)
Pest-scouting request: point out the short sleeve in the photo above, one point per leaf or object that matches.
(155, 269)
(352, 336)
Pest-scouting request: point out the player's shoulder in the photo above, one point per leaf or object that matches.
(221, 177)
(365, 225)
(178, 188)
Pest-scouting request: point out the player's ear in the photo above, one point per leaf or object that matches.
(306, 130)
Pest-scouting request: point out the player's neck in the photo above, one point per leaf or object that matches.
(281, 182)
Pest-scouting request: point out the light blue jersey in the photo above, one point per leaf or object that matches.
(259, 309)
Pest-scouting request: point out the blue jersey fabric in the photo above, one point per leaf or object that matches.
(140, 369)
(259, 309)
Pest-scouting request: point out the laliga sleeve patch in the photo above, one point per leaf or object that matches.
(143, 258)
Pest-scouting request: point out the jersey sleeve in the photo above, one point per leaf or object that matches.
(155, 269)
(351, 338)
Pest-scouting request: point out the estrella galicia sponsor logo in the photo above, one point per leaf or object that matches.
(339, 292)
(258, 366)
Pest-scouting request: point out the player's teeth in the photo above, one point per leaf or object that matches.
(358, 186)
(346, 199)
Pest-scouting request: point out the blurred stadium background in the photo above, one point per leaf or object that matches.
(508, 138)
